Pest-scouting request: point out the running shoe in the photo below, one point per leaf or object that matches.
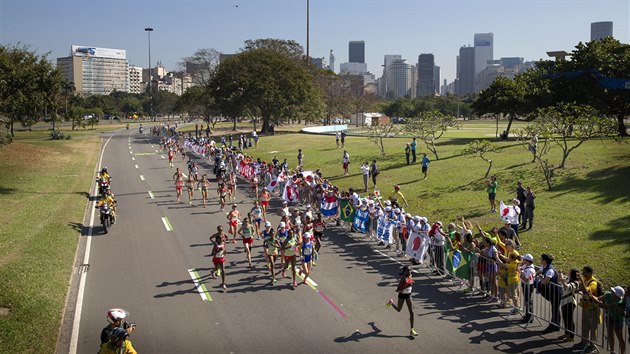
(389, 304)
(413, 332)
(294, 284)
(224, 287)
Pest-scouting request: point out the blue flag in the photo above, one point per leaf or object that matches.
(360, 220)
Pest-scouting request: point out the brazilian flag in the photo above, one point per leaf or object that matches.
(347, 210)
(458, 263)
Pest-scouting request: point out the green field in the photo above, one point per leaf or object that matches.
(583, 220)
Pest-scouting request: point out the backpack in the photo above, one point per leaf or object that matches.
(550, 290)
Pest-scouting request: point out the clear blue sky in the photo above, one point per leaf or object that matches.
(523, 28)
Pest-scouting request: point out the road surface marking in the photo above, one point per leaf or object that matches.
(167, 224)
(309, 281)
(163, 157)
(133, 159)
(144, 153)
(151, 195)
(136, 166)
(74, 336)
(142, 177)
(201, 287)
(156, 151)
(183, 174)
(332, 304)
(131, 152)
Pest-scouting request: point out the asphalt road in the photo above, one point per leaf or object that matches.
(144, 268)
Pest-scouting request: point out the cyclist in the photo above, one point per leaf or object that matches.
(118, 343)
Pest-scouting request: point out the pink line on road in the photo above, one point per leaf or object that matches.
(332, 304)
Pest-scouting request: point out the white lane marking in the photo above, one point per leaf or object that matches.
(142, 177)
(201, 287)
(133, 159)
(163, 157)
(151, 195)
(131, 152)
(136, 166)
(156, 151)
(74, 337)
(183, 174)
(167, 224)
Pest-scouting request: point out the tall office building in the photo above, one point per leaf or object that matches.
(382, 83)
(484, 44)
(96, 70)
(601, 30)
(426, 80)
(400, 79)
(466, 71)
(356, 52)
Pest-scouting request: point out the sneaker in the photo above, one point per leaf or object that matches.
(413, 331)
(283, 274)
(224, 287)
(389, 304)
(294, 284)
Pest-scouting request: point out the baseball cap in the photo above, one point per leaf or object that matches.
(618, 290)
(528, 257)
(267, 223)
(283, 224)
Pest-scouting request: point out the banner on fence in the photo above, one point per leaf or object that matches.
(329, 206)
(347, 211)
(417, 246)
(360, 220)
(458, 263)
(385, 230)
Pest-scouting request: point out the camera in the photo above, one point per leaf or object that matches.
(127, 325)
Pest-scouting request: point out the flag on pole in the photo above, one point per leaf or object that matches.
(347, 210)
(360, 220)
(291, 192)
(329, 205)
(507, 212)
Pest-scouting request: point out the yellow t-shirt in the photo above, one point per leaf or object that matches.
(127, 348)
(512, 270)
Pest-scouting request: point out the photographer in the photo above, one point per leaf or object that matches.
(116, 318)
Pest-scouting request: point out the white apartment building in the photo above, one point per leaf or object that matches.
(96, 71)
(401, 79)
(135, 80)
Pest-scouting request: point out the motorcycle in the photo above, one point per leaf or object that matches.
(103, 185)
(106, 217)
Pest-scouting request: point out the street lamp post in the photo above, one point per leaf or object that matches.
(308, 18)
(149, 30)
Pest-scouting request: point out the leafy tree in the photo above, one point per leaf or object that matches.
(401, 107)
(29, 83)
(335, 93)
(198, 101)
(480, 148)
(288, 48)
(377, 132)
(567, 126)
(264, 81)
(504, 96)
(429, 127)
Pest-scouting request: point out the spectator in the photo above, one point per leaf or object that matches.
(407, 152)
(345, 162)
(374, 172)
(528, 216)
(549, 289)
(492, 193)
(570, 286)
(397, 196)
(413, 150)
(425, 165)
(337, 136)
(514, 219)
(533, 146)
(612, 303)
(343, 139)
(365, 171)
(591, 289)
(521, 196)
(527, 280)
(300, 157)
(489, 257)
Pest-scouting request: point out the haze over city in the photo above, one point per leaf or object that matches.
(525, 28)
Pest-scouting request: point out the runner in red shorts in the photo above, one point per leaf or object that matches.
(179, 184)
(264, 202)
(218, 255)
(290, 247)
(247, 231)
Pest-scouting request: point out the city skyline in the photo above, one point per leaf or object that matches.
(521, 28)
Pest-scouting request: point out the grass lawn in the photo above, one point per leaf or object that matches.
(43, 192)
(583, 220)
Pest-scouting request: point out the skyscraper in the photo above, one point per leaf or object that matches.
(356, 52)
(382, 83)
(466, 71)
(601, 30)
(484, 44)
(426, 69)
(400, 79)
(436, 78)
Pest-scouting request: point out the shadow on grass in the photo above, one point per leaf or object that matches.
(77, 226)
(609, 185)
(616, 233)
(4, 190)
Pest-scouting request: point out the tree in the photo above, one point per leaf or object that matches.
(201, 65)
(504, 96)
(429, 127)
(479, 148)
(264, 81)
(567, 126)
(377, 132)
(288, 48)
(599, 62)
(335, 93)
(401, 107)
(67, 90)
(29, 84)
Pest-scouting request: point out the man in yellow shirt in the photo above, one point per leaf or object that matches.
(108, 198)
(591, 317)
(119, 343)
(397, 196)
